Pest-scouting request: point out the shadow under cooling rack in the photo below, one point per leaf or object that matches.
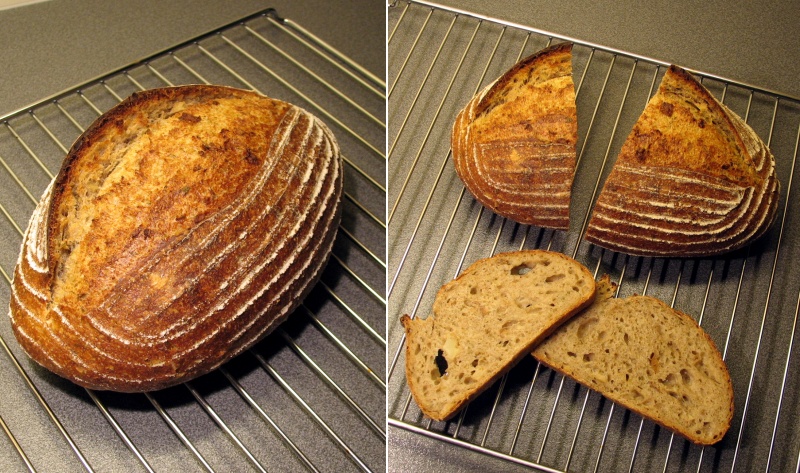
(311, 395)
(746, 301)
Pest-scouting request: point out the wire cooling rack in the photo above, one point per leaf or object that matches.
(747, 301)
(311, 396)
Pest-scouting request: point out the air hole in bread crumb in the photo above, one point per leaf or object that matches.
(435, 375)
(507, 324)
(521, 269)
(475, 363)
(685, 376)
(473, 290)
(555, 277)
(625, 337)
(588, 356)
(572, 354)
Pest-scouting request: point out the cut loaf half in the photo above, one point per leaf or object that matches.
(485, 321)
(649, 358)
(692, 179)
(514, 142)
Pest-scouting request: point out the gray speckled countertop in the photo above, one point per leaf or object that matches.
(50, 46)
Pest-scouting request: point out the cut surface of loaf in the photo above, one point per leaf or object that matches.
(692, 179)
(649, 358)
(514, 142)
(184, 224)
(485, 321)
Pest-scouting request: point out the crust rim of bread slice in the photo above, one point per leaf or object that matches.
(414, 326)
(606, 291)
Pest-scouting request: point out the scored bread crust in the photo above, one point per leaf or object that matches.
(613, 337)
(692, 179)
(514, 143)
(184, 225)
(485, 321)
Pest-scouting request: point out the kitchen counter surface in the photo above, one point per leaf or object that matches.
(50, 46)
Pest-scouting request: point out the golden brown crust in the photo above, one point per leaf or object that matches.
(514, 142)
(692, 179)
(184, 225)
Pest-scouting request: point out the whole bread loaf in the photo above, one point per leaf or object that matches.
(514, 142)
(485, 321)
(649, 358)
(183, 226)
(692, 179)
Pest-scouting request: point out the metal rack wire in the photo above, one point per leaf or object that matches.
(311, 396)
(747, 301)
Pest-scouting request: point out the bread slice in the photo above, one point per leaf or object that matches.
(485, 321)
(649, 358)
(692, 179)
(184, 225)
(514, 142)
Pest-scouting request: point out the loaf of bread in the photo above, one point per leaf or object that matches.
(514, 142)
(649, 358)
(692, 179)
(183, 226)
(485, 321)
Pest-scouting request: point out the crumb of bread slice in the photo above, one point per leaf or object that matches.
(485, 321)
(648, 357)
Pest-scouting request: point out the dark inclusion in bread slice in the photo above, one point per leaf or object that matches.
(692, 179)
(514, 142)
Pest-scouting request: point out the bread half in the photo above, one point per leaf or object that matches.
(514, 142)
(649, 358)
(692, 179)
(183, 226)
(485, 321)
